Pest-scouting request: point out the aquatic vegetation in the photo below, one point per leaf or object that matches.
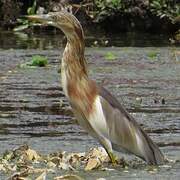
(110, 56)
(37, 61)
(152, 55)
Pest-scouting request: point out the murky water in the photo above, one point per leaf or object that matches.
(42, 40)
(33, 108)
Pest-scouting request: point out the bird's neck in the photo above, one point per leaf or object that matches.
(73, 56)
(79, 89)
(73, 66)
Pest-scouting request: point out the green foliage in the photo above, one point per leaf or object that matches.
(160, 8)
(111, 4)
(152, 55)
(164, 8)
(32, 10)
(24, 23)
(105, 8)
(110, 56)
(37, 61)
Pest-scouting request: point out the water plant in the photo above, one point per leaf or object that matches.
(37, 61)
(152, 55)
(110, 56)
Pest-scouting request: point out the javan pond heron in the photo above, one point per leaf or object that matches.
(96, 109)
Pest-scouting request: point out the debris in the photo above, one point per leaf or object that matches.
(25, 163)
(152, 169)
(42, 176)
(99, 153)
(93, 163)
(68, 177)
(32, 155)
(2, 168)
(51, 164)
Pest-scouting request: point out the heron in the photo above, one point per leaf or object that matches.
(95, 108)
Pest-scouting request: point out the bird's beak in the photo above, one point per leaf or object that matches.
(43, 18)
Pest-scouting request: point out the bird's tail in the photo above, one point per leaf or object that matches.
(151, 152)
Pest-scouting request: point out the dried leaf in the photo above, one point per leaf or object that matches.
(2, 168)
(18, 176)
(36, 170)
(51, 164)
(75, 159)
(68, 177)
(65, 166)
(42, 176)
(32, 155)
(55, 160)
(99, 153)
(92, 164)
(152, 169)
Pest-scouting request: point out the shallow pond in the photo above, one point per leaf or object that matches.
(33, 108)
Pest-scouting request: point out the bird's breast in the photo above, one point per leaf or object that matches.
(93, 122)
(82, 94)
(64, 77)
(98, 119)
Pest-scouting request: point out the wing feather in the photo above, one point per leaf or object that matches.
(125, 133)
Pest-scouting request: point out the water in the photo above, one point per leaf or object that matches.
(42, 40)
(33, 108)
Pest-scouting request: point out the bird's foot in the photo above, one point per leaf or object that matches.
(113, 158)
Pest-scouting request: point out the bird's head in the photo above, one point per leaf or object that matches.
(63, 20)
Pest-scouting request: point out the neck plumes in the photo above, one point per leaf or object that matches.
(74, 55)
(79, 89)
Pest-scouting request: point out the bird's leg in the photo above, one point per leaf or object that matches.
(112, 157)
(106, 144)
(108, 147)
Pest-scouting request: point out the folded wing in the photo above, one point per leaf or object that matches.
(124, 132)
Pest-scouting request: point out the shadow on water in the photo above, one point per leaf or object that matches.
(33, 108)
